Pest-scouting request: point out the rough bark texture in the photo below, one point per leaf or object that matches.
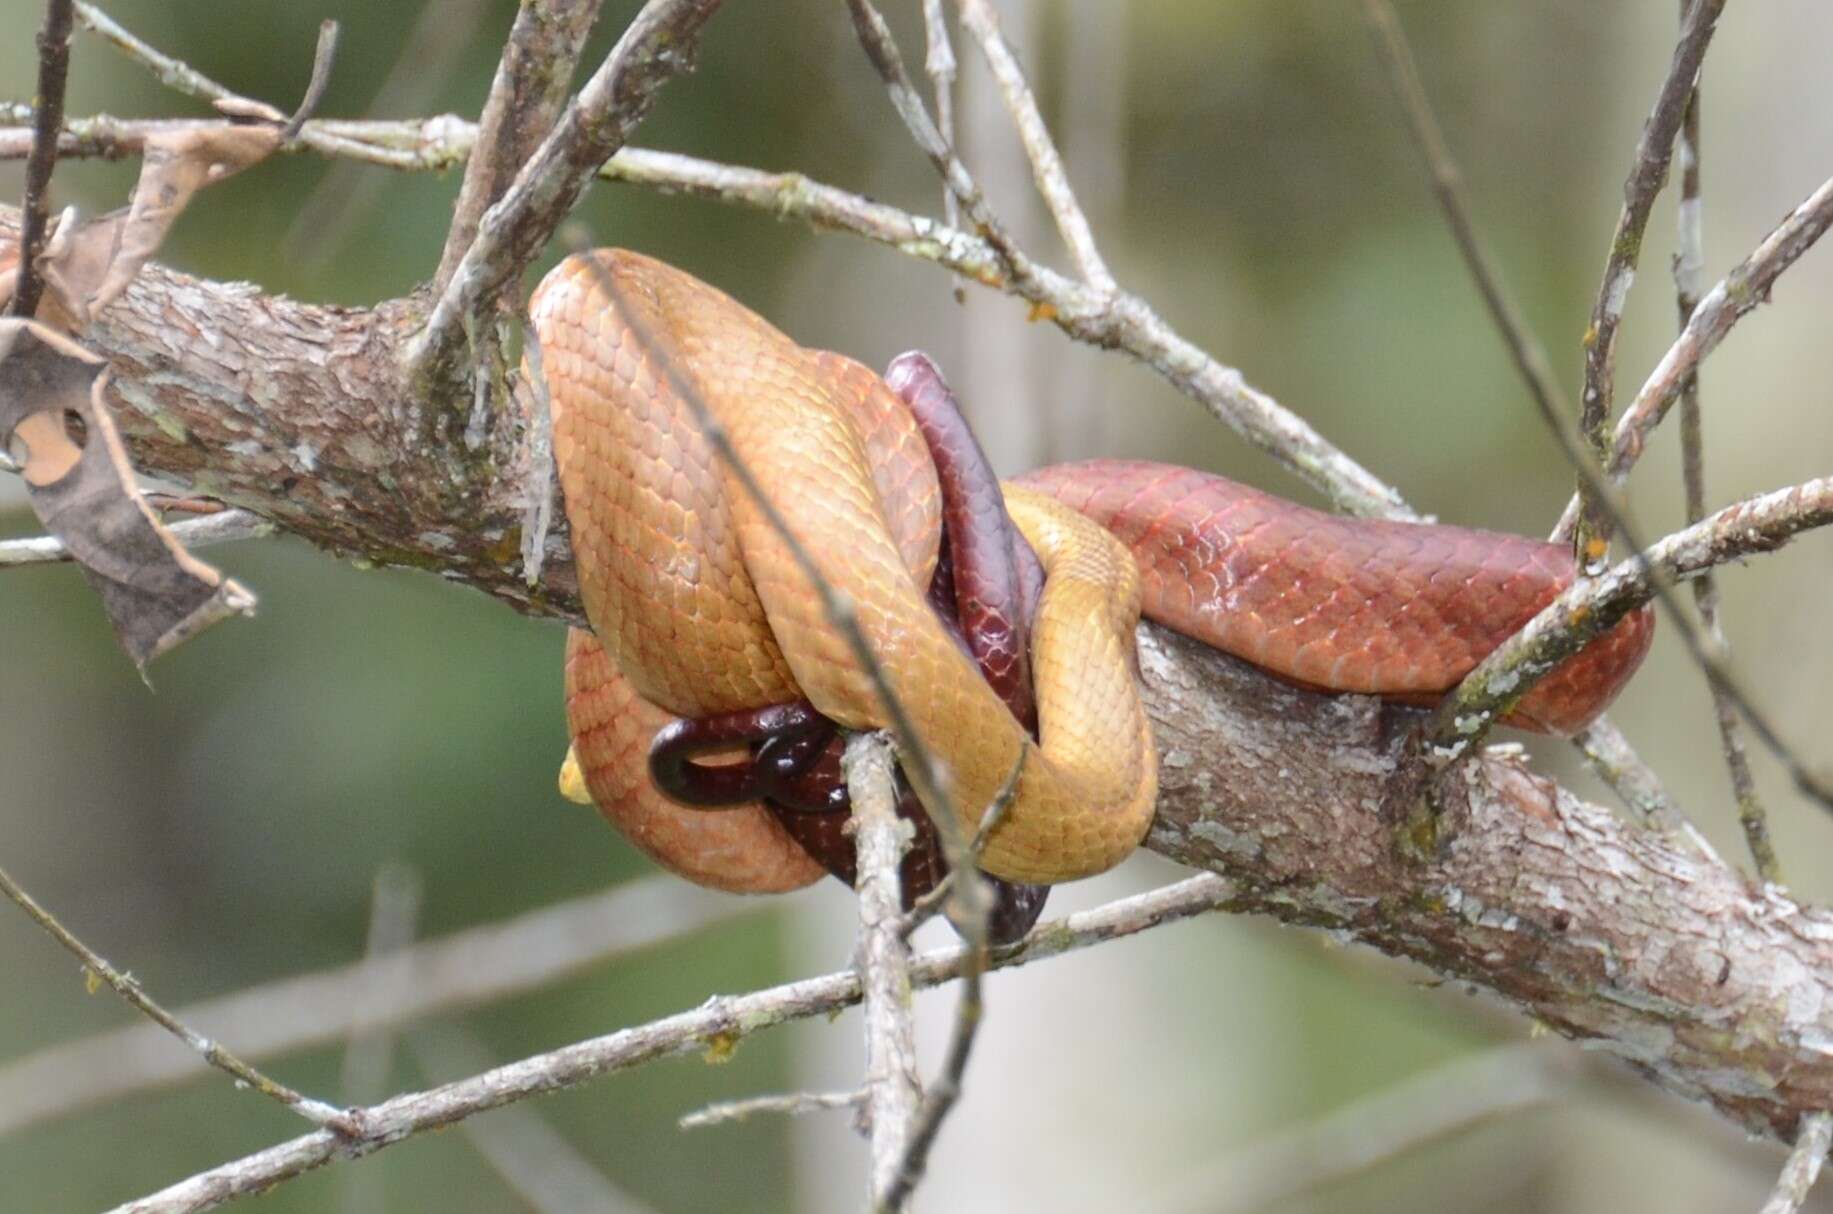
(1611, 935)
(301, 414)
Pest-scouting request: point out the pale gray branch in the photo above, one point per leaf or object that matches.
(466, 969)
(1803, 1166)
(716, 1024)
(891, 1087)
(222, 527)
(1729, 301)
(982, 21)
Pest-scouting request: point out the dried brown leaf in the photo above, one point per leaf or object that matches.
(74, 264)
(174, 166)
(156, 594)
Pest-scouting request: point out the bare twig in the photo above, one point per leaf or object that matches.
(1689, 265)
(342, 1122)
(658, 45)
(180, 76)
(529, 90)
(431, 144)
(534, 1159)
(1607, 752)
(219, 528)
(881, 50)
(47, 119)
(945, 1088)
(1648, 173)
(939, 63)
(719, 1023)
(1803, 1166)
(891, 1087)
(322, 58)
(1590, 607)
(979, 18)
(435, 42)
(1737, 294)
(466, 969)
(794, 1104)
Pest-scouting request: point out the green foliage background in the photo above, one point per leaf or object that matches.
(225, 827)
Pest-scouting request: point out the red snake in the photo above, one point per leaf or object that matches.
(697, 607)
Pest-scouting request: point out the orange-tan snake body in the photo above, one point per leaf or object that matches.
(697, 607)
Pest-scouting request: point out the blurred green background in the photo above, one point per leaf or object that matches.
(1249, 174)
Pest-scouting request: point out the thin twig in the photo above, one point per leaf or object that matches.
(529, 89)
(939, 63)
(1803, 1166)
(881, 50)
(892, 1089)
(322, 58)
(341, 1121)
(419, 145)
(945, 1088)
(1609, 755)
(466, 969)
(1737, 294)
(1590, 607)
(979, 18)
(793, 1104)
(717, 1024)
(1689, 265)
(47, 120)
(1648, 173)
(526, 1152)
(182, 77)
(219, 528)
(657, 46)
(435, 43)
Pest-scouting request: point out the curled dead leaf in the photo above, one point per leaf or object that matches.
(174, 166)
(156, 593)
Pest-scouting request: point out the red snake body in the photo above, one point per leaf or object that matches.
(699, 610)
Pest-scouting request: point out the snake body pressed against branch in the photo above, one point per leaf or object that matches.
(697, 608)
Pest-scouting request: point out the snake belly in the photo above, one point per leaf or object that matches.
(700, 608)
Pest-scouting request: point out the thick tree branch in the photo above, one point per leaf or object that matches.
(1608, 933)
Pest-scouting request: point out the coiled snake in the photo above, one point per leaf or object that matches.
(697, 608)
